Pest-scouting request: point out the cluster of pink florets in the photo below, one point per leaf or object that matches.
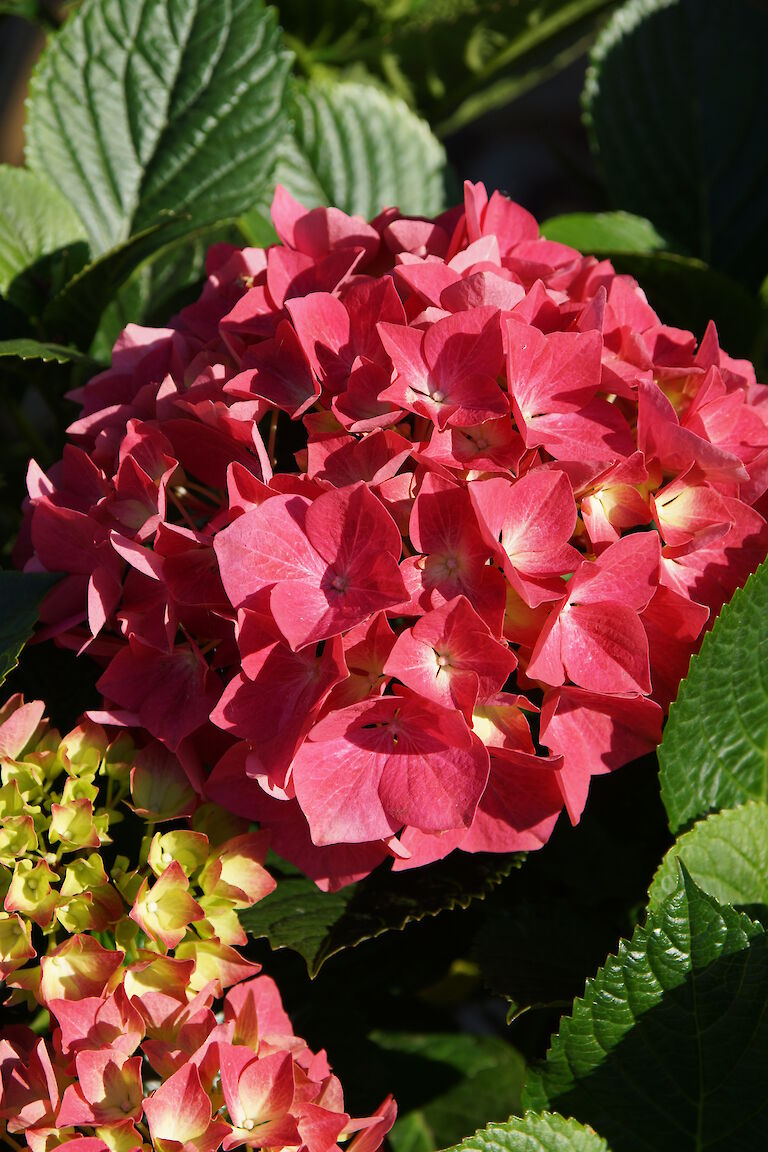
(138, 1062)
(162, 1035)
(517, 492)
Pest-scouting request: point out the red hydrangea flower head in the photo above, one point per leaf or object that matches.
(384, 492)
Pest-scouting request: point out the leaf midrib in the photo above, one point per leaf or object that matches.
(166, 122)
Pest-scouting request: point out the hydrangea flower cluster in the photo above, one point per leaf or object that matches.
(63, 885)
(517, 496)
(136, 1063)
(143, 1053)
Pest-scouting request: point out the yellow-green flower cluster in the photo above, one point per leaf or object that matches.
(67, 874)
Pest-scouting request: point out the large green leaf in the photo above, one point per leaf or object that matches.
(727, 855)
(534, 1132)
(318, 924)
(76, 311)
(674, 98)
(151, 105)
(42, 239)
(451, 59)
(368, 150)
(715, 748)
(667, 1049)
(358, 148)
(20, 596)
(468, 1080)
(294, 172)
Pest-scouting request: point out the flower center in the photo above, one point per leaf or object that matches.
(437, 396)
(339, 583)
(152, 906)
(443, 661)
(248, 1124)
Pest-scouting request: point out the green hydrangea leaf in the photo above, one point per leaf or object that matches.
(317, 925)
(24, 348)
(715, 748)
(671, 103)
(368, 150)
(604, 232)
(42, 239)
(170, 279)
(294, 172)
(412, 1133)
(534, 1132)
(76, 311)
(449, 1083)
(20, 596)
(667, 1049)
(170, 105)
(727, 855)
(358, 148)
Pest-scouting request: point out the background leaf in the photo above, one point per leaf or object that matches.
(537, 953)
(368, 150)
(534, 1132)
(163, 284)
(715, 748)
(453, 60)
(294, 172)
(358, 148)
(666, 1050)
(726, 854)
(47, 13)
(319, 924)
(158, 105)
(20, 596)
(549, 926)
(684, 290)
(76, 311)
(484, 1080)
(671, 100)
(42, 239)
(593, 232)
(26, 349)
